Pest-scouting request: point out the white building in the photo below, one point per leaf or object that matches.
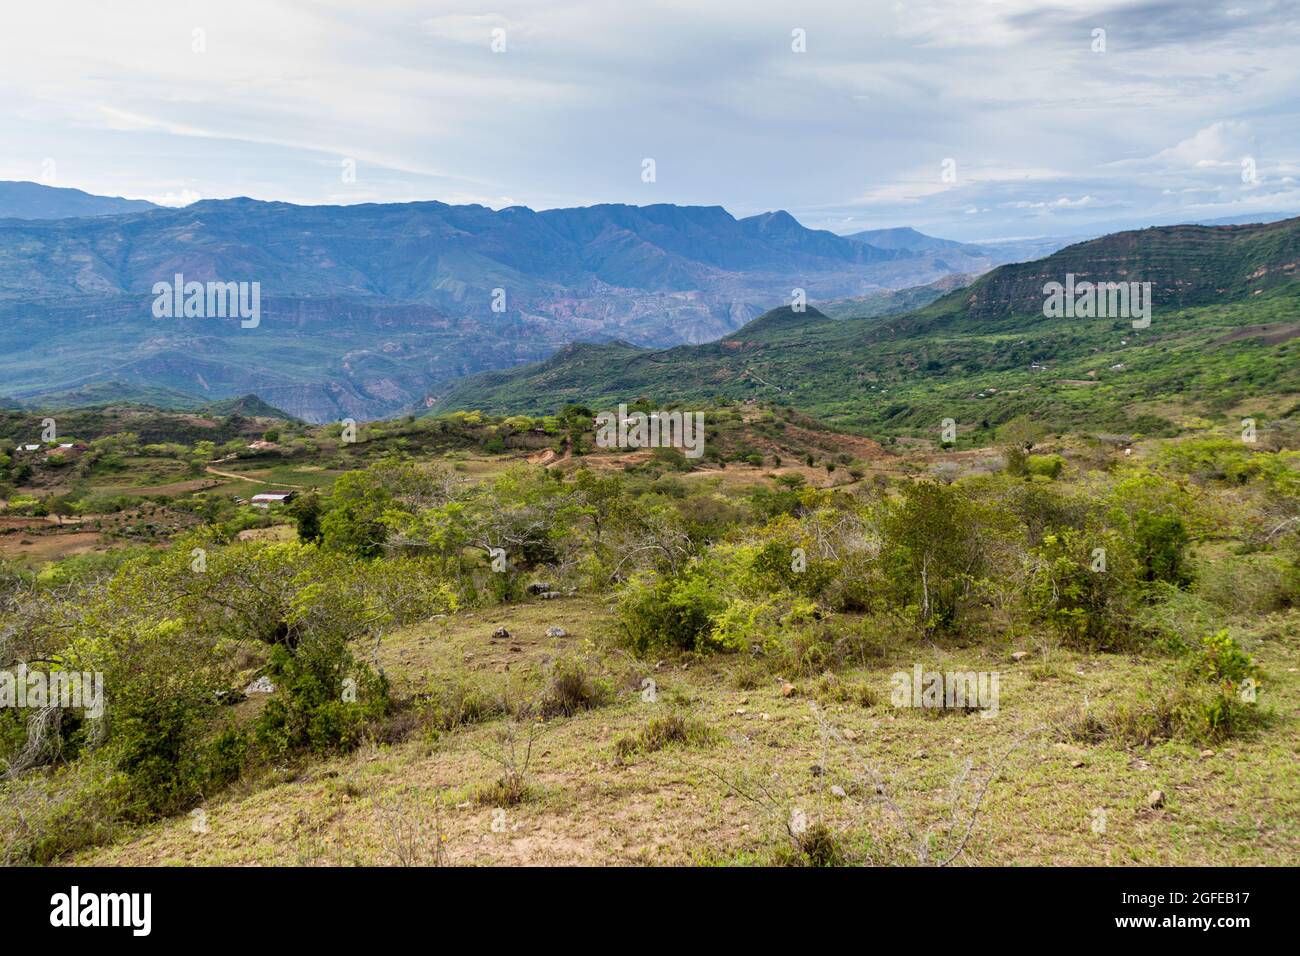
(272, 498)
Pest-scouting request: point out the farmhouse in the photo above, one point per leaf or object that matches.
(272, 498)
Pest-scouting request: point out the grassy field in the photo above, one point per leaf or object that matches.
(761, 753)
(682, 697)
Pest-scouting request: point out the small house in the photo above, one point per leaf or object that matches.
(272, 498)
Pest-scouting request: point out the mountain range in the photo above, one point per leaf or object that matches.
(374, 310)
(19, 200)
(1225, 316)
(369, 310)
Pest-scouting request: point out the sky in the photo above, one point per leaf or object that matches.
(969, 119)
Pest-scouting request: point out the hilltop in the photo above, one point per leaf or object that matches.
(21, 200)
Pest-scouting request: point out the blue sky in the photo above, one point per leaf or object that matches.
(1047, 134)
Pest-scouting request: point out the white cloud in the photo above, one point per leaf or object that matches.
(1064, 202)
(184, 198)
(1042, 129)
(1220, 144)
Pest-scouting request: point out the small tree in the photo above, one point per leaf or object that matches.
(61, 507)
(1018, 437)
(306, 512)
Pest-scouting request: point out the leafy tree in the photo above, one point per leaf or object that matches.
(306, 511)
(1082, 584)
(355, 523)
(61, 506)
(938, 543)
(1161, 543)
(1018, 436)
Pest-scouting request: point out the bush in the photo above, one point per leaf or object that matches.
(1088, 603)
(667, 731)
(311, 710)
(656, 612)
(748, 625)
(1046, 466)
(818, 846)
(1175, 618)
(457, 703)
(831, 689)
(776, 566)
(509, 790)
(26, 505)
(1252, 584)
(156, 746)
(1221, 660)
(43, 818)
(572, 690)
(938, 544)
(1193, 709)
(1161, 544)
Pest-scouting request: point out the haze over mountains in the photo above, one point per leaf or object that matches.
(368, 310)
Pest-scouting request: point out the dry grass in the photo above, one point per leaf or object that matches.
(1232, 804)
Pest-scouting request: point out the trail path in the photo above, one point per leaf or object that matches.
(257, 481)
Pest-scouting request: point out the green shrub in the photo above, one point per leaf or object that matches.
(1161, 544)
(44, 817)
(26, 505)
(831, 689)
(455, 703)
(1220, 659)
(939, 543)
(667, 731)
(1198, 713)
(676, 612)
(1253, 584)
(572, 690)
(1045, 466)
(1082, 585)
(313, 709)
(156, 746)
(1175, 618)
(817, 846)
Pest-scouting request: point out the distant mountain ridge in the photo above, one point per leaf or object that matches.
(1225, 328)
(21, 200)
(370, 309)
(105, 394)
(1186, 265)
(432, 253)
(909, 240)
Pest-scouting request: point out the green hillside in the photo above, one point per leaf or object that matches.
(98, 395)
(114, 393)
(1225, 314)
(248, 406)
